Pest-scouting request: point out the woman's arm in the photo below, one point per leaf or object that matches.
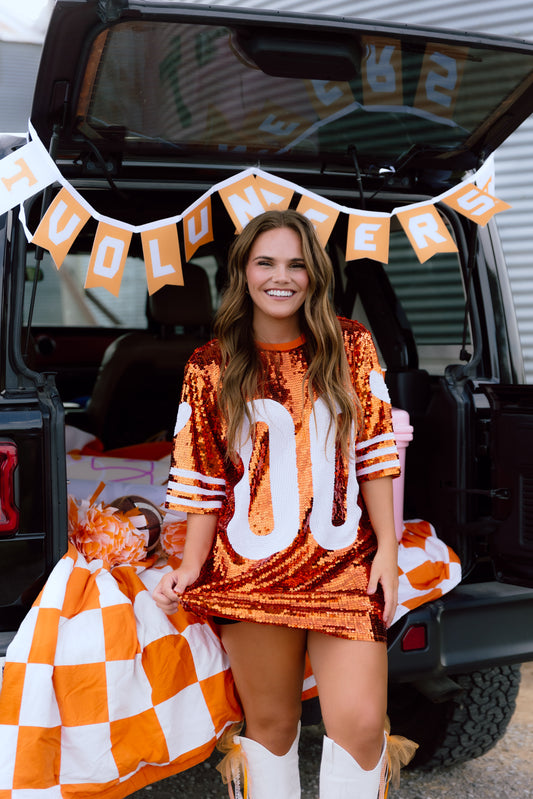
(199, 539)
(377, 495)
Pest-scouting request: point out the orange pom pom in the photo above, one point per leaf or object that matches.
(173, 535)
(103, 533)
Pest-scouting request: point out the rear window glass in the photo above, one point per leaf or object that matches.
(208, 88)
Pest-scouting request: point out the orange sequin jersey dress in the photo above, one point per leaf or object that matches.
(294, 544)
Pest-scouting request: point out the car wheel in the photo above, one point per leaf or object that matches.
(459, 729)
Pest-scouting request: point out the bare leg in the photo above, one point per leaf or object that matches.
(267, 663)
(352, 685)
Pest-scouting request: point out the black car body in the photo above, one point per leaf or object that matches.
(146, 105)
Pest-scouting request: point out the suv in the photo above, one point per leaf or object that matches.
(144, 106)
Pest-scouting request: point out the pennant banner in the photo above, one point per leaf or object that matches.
(24, 173)
(474, 203)
(162, 257)
(197, 227)
(251, 196)
(425, 230)
(60, 226)
(368, 236)
(322, 214)
(108, 258)
(30, 169)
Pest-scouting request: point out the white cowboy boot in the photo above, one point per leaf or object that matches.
(270, 776)
(341, 777)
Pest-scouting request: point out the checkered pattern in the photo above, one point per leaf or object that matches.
(103, 693)
(427, 567)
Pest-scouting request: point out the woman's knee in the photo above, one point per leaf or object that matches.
(268, 667)
(275, 729)
(357, 728)
(370, 723)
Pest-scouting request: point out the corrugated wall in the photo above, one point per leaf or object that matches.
(514, 160)
(18, 69)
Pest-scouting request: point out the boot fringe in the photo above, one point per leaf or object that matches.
(233, 766)
(400, 752)
(234, 771)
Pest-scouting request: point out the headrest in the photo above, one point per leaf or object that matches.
(188, 305)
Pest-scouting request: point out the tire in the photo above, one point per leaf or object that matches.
(462, 728)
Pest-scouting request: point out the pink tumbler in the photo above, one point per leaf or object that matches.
(403, 432)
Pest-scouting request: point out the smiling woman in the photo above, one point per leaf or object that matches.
(283, 463)
(143, 108)
(277, 283)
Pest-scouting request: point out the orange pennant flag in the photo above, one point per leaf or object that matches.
(162, 260)
(426, 231)
(251, 196)
(108, 257)
(368, 237)
(242, 201)
(272, 194)
(475, 203)
(60, 226)
(197, 228)
(23, 173)
(322, 215)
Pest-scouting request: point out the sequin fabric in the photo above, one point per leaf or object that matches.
(294, 544)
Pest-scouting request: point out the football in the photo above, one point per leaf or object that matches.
(151, 513)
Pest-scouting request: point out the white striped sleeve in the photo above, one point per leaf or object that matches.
(377, 456)
(197, 479)
(191, 491)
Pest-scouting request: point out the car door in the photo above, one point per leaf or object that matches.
(511, 445)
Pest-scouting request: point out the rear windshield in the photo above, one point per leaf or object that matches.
(202, 88)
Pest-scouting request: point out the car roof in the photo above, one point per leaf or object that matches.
(170, 85)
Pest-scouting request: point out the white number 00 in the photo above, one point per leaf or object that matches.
(284, 486)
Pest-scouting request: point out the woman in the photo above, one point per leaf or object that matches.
(284, 418)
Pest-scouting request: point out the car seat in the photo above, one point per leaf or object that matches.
(137, 389)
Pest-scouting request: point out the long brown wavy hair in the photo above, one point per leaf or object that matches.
(328, 372)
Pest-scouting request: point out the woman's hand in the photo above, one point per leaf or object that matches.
(378, 497)
(384, 571)
(198, 541)
(171, 586)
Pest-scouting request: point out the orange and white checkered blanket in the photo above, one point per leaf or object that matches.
(103, 693)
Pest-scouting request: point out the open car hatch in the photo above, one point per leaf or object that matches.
(182, 84)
